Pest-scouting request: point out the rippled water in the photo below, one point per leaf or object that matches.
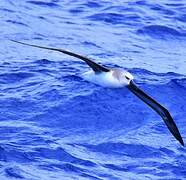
(56, 125)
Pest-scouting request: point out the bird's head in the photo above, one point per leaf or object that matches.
(128, 77)
(124, 77)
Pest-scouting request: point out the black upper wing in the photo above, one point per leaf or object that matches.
(96, 67)
(163, 112)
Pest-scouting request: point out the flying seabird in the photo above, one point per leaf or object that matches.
(116, 78)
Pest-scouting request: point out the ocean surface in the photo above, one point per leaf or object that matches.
(55, 125)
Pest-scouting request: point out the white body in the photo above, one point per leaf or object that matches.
(115, 78)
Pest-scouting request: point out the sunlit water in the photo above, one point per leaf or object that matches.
(56, 125)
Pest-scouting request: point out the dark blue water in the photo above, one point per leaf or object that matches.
(55, 125)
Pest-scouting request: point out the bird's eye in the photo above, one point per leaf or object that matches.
(127, 77)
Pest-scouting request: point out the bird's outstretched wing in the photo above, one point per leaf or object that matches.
(95, 67)
(163, 112)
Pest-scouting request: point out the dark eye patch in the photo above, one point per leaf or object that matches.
(127, 78)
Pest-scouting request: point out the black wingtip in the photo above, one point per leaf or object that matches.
(181, 142)
(171, 125)
(179, 138)
(14, 40)
(17, 41)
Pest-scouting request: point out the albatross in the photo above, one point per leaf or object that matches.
(118, 78)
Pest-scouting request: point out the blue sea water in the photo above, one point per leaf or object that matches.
(55, 125)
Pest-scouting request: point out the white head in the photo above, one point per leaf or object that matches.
(124, 77)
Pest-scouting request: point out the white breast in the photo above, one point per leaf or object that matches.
(105, 79)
